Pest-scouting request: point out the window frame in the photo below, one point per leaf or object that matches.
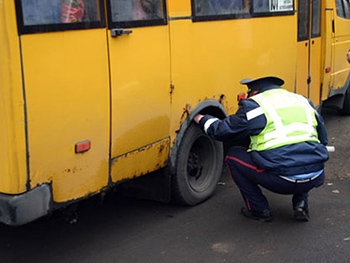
(45, 28)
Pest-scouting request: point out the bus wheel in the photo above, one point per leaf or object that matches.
(198, 167)
(346, 105)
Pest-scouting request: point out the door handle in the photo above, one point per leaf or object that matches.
(116, 32)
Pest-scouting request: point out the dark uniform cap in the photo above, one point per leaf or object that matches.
(257, 84)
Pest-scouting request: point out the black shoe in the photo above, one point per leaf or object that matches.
(301, 211)
(264, 216)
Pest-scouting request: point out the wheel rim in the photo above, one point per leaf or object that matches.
(200, 164)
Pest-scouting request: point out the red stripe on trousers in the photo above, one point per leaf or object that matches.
(245, 164)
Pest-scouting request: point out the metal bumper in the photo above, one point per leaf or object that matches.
(18, 210)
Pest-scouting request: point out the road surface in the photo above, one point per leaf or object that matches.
(128, 230)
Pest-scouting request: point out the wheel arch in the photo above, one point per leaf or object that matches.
(336, 97)
(211, 107)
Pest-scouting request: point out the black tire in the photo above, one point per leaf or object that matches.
(198, 167)
(346, 105)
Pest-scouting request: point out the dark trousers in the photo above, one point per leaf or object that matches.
(248, 178)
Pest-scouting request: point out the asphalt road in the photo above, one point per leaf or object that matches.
(128, 230)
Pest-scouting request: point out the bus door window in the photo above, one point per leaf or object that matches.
(316, 19)
(303, 20)
(136, 10)
(44, 16)
(38, 12)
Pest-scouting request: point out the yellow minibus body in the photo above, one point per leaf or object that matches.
(95, 93)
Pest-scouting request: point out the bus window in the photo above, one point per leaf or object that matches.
(54, 15)
(38, 12)
(316, 18)
(343, 8)
(261, 6)
(303, 20)
(346, 4)
(220, 7)
(266, 6)
(226, 9)
(131, 13)
(339, 7)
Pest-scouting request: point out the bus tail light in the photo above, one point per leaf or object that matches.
(328, 69)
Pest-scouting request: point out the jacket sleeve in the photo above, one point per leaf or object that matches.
(232, 127)
(321, 129)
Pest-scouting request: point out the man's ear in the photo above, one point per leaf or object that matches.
(252, 93)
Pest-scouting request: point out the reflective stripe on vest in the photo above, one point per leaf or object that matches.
(290, 119)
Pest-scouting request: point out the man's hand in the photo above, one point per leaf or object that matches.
(198, 117)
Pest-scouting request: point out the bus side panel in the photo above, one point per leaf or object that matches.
(67, 90)
(13, 170)
(341, 42)
(216, 55)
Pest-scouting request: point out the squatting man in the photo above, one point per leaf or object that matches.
(286, 150)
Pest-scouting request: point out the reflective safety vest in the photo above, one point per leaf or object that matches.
(290, 119)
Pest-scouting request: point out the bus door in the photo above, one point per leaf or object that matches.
(66, 91)
(309, 49)
(138, 38)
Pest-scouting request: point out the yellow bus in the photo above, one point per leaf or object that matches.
(94, 93)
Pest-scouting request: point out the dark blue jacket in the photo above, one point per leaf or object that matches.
(292, 159)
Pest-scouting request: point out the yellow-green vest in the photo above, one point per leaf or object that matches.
(290, 120)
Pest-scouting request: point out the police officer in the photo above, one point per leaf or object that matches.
(286, 152)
